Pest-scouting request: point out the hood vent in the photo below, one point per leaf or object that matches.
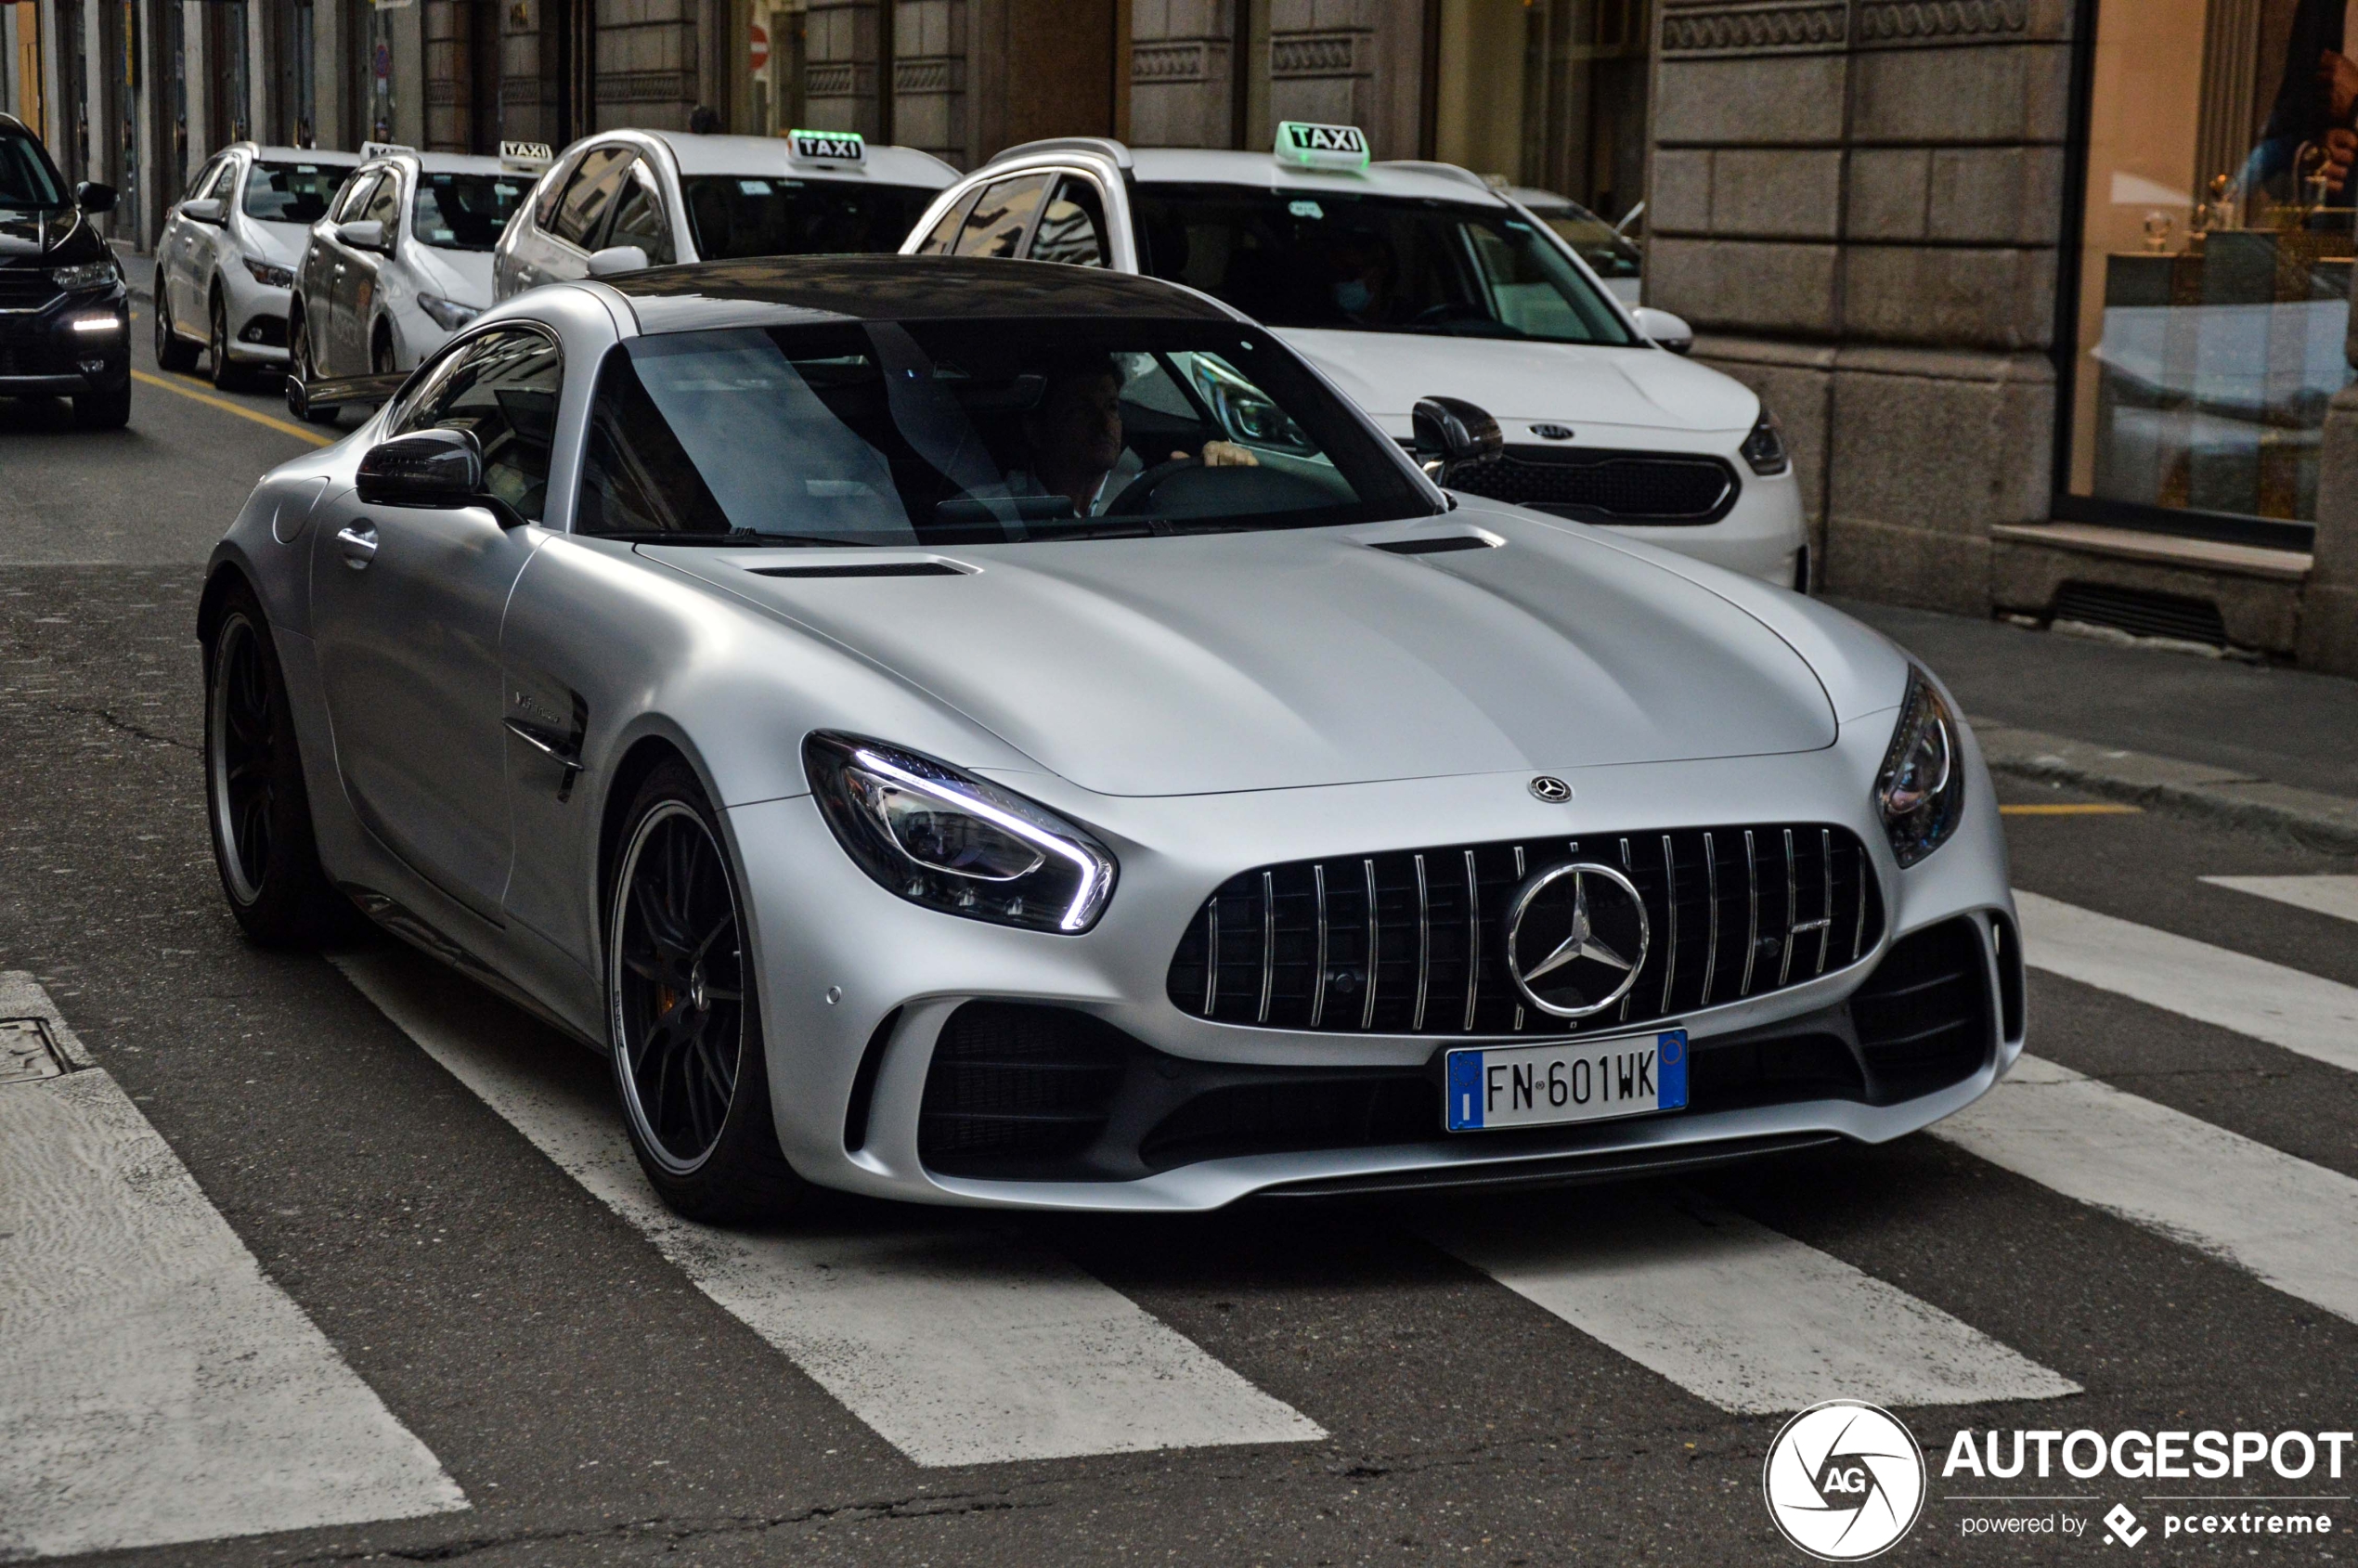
(1441, 546)
(865, 569)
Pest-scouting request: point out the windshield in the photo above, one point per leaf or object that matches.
(291, 192)
(26, 179)
(1371, 263)
(737, 215)
(1609, 254)
(973, 433)
(464, 211)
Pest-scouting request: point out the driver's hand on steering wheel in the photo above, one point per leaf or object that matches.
(1223, 454)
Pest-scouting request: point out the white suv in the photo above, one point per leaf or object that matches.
(403, 261)
(1409, 280)
(224, 262)
(624, 200)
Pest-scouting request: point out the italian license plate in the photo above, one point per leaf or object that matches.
(1571, 1081)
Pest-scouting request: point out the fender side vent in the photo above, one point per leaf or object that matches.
(881, 569)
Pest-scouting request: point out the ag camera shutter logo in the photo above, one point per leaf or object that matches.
(1845, 1481)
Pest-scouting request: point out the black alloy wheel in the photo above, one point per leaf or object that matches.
(685, 1024)
(227, 374)
(255, 802)
(173, 351)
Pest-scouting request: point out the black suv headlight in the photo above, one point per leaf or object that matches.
(942, 837)
(85, 275)
(1920, 791)
(1765, 447)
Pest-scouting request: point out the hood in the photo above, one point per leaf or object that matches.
(463, 276)
(1308, 657)
(55, 235)
(1521, 382)
(279, 242)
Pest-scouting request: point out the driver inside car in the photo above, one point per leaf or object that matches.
(1074, 438)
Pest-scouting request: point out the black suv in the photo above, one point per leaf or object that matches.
(65, 315)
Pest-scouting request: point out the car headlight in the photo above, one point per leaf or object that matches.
(943, 837)
(88, 275)
(448, 315)
(266, 275)
(1920, 791)
(1764, 449)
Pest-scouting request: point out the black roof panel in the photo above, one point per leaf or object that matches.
(915, 288)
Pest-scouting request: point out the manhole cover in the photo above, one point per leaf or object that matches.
(25, 1052)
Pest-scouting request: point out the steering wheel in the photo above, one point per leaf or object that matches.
(1448, 310)
(1139, 493)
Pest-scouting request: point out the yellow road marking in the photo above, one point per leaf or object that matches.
(174, 384)
(2060, 809)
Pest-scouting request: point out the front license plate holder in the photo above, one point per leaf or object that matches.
(1496, 1087)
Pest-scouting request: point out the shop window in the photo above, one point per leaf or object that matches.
(2215, 263)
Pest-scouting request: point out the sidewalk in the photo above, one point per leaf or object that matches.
(2243, 742)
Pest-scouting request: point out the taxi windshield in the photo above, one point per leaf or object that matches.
(26, 179)
(464, 211)
(291, 192)
(736, 215)
(1378, 264)
(973, 433)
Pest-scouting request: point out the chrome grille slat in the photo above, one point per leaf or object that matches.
(1309, 944)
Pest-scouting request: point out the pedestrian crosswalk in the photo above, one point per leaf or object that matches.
(959, 1339)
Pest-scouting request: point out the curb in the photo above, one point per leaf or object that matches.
(2316, 820)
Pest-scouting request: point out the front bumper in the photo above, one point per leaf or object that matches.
(857, 986)
(257, 316)
(45, 354)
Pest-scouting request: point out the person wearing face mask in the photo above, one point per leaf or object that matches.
(1362, 287)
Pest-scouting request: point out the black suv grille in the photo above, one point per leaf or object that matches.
(1735, 912)
(26, 288)
(1606, 487)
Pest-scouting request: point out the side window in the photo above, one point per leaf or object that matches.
(938, 241)
(544, 200)
(1001, 214)
(640, 219)
(354, 198)
(384, 203)
(591, 190)
(1072, 229)
(207, 181)
(503, 386)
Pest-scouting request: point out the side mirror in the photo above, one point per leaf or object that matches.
(207, 211)
(616, 258)
(1453, 434)
(92, 197)
(1668, 331)
(363, 234)
(437, 468)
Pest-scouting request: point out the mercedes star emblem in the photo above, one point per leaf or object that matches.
(1551, 789)
(1576, 937)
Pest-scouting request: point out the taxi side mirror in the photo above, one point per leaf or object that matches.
(616, 258)
(1670, 331)
(1453, 434)
(206, 211)
(363, 234)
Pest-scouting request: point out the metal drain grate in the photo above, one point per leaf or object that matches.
(2141, 613)
(26, 1053)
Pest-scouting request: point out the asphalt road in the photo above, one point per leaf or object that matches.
(579, 1384)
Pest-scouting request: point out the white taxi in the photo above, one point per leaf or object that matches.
(226, 257)
(1409, 280)
(402, 261)
(624, 199)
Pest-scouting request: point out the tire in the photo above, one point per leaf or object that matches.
(683, 1016)
(104, 410)
(303, 369)
(173, 351)
(255, 802)
(381, 354)
(229, 375)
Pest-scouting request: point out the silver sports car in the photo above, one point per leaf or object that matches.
(1009, 733)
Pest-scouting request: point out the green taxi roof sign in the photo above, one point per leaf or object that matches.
(826, 147)
(1309, 146)
(525, 156)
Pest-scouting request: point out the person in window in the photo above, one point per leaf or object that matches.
(2317, 104)
(1363, 272)
(1073, 437)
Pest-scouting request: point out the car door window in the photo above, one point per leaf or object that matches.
(996, 225)
(385, 205)
(1072, 226)
(640, 219)
(209, 180)
(503, 387)
(595, 183)
(939, 239)
(356, 197)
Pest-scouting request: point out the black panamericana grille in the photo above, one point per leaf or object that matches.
(1414, 941)
(1605, 486)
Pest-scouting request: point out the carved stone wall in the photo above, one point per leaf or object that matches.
(1857, 204)
(1182, 58)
